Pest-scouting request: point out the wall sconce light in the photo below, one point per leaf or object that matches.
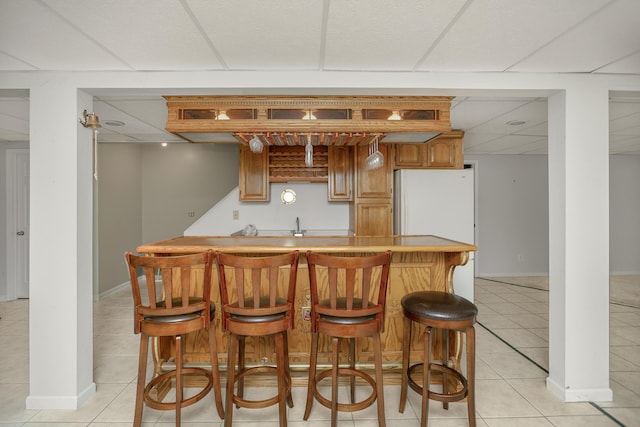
(92, 121)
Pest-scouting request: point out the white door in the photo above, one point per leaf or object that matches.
(17, 223)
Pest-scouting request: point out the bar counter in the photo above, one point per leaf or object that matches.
(418, 263)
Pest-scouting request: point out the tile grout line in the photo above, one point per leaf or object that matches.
(595, 405)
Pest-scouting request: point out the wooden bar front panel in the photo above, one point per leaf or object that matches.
(410, 272)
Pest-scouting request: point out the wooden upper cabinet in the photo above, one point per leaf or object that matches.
(375, 183)
(340, 186)
(410, 156)
(442, 152)
(445, 151)
(254, 175)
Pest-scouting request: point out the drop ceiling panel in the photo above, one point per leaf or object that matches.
(47, 41)
(471, 113)
(541, 129)
(473, 140)
(133, 125)
(263, 34)
(629, 125)
(384, 35)
(537, 146)
(628, 65)
(619, 110)
(510, 143)
(13, 124)
(150, 111)
(144, 34)
(607, 37)
(493, 35)
(15, 107)
(531, 114)
(7, 63)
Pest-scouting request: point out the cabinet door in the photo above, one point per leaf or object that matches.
(374, 183)
(340, 173)
(254, 175)
(374, 218)
(445, 152)
(410, 156)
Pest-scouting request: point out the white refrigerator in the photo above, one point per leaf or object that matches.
(441, 203)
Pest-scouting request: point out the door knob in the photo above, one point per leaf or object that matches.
(20, 233)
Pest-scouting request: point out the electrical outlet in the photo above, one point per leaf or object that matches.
(306, 314)
(191, 214)
(236, 214)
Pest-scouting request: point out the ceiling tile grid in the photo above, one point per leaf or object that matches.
(586, 36)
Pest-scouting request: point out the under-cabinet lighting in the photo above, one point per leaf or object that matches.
(395, 115)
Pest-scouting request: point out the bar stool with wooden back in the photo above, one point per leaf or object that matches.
(452, 315)
(257, 296)
(178, 311)
(347, 302)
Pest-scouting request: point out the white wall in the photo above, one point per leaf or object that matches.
(624, 214)
(513, 215)
(273, 217)
(183, 178)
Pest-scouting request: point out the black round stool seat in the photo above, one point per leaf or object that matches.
(439, 307)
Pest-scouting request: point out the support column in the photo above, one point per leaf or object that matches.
(60, 270)
(579, 245)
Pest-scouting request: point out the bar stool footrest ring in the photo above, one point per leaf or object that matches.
(346, 407)
(440, 397)
(166, 376)
(244, 403)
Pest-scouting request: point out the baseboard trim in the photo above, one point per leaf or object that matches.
(579, 395)
(113, 290)
(61, 402)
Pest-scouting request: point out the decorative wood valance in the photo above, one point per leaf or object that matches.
(291, 120)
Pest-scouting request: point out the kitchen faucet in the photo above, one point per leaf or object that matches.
(297, 232)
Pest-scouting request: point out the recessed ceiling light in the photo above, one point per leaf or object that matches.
(516, 122)
(114, 123)
(164, 144)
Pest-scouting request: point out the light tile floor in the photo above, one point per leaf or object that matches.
(512, 359)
